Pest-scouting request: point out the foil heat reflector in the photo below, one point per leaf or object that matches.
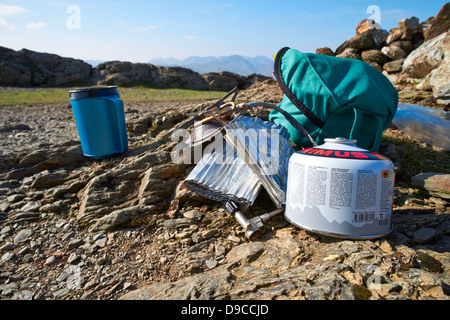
(223, 176)
(264, 146)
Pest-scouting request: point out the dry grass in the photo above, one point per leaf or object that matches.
(25, 96)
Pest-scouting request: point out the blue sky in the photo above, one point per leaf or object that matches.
(138, 31)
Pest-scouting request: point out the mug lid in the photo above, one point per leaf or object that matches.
(93, 92)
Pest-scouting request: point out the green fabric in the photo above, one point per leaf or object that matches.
(351, 97)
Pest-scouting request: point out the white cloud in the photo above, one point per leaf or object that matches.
(6, 26)
(35, 25)
(6, 10)
(152, 27)
(190, 37)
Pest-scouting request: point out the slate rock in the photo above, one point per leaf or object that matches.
(23, 236)
(424, 235)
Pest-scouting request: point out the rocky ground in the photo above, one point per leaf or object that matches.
(126, 228)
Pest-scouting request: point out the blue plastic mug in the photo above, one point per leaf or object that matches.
(100, 120)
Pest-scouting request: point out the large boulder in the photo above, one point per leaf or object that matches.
(350, 53)
(408, 30)
(178, 77)
(427, 57)
(438, 80)
(435, 183)
(125, 73)
(374, 56)
(366, 25)
(325, 51)
(440, 23)
(13, 69)
(29, 68)
(53, 70)
(371, 39)
(393, 52)
(394, 66)
(223, 81)
(226, 81)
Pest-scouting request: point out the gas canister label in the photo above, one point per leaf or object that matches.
(342, 154)
(341, 194)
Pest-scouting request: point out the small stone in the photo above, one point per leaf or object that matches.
(438, 201)
(211, 264)
(101, 242)
(31, 206)
(8, 256)
(436, 183)
(103, 260)
(23, 251)
(23, 295)
(424, 235)
(186, 242)
(23, 236)
(193, 215)
(193, 268)
(220, 250)
(98, 236)
(428, 263)
(4, 207)
(414, 201)
(50, 260)
(75, 243)
(9, 289)
(209, 233)
(15, 198)
(26, 216)
(61, 292)
(234, 238)
(197, 237)
(7, 247)
(184, 234)
(90, 284)
(176, 223)
(127, 285)
(73, 258)
(246, 252)
(387, 247)
(68, 236)
(6, 230)
(50, 207)
(5, 275)
(28, 258)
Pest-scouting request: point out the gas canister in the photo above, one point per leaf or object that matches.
(340, 190)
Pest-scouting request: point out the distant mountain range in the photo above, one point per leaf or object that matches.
(237, 64)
